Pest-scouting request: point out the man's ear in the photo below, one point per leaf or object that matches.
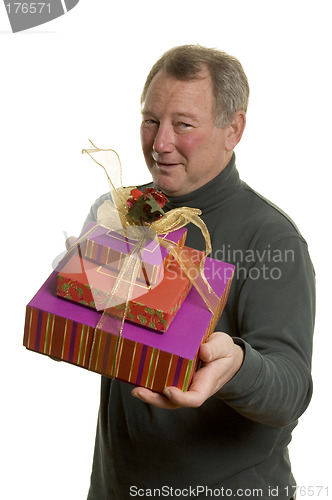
(235, 130)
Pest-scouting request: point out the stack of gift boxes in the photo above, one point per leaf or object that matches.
(166, 318)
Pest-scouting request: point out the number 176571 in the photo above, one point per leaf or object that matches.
(308, 491)
(28, 8)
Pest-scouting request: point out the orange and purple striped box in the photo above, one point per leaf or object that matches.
(109, 248)
(68, 331)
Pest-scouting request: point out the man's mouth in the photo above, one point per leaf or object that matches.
(166, 168)
(165, 165)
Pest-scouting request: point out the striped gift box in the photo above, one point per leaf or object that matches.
(68, 331)
(108, 248)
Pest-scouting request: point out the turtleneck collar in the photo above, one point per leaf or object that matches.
(214, 193)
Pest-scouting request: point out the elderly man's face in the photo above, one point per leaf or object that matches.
(183, 148)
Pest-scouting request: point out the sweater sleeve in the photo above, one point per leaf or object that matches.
(276, 308)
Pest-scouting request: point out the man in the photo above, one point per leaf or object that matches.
(228, 434)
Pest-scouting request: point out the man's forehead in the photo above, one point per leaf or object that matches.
(165, 88)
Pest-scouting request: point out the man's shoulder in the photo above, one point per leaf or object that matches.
(99, 201)
(268, 216)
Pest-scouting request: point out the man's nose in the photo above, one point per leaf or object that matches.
(164, 139)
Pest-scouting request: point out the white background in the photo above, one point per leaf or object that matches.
(80, 77)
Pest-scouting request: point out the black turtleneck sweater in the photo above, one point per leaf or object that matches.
(237, 440)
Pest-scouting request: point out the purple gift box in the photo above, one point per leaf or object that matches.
(68, 331)
(109, 248)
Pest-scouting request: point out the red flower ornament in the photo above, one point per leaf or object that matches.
(135, 195)
(146, 206)
(157, 195)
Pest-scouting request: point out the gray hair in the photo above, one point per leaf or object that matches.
(230, 84)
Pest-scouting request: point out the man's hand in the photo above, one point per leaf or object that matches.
(70, 241)
(221, 360)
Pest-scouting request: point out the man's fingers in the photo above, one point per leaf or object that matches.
(205, 383)
(70, 241)
(217, 346)
(174, 397)
(192, 398)
(153, 398)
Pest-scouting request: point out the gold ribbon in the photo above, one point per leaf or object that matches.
(113, 215)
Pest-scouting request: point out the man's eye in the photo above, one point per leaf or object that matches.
(149, 122)
(184, 125)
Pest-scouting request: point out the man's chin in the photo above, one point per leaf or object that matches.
(164, 187)
(168, 184)
(169, 190)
